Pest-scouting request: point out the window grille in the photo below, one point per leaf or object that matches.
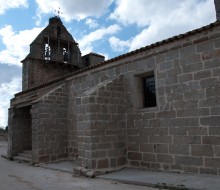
(149, 92)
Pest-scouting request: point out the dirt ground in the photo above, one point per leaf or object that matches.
(18, 176)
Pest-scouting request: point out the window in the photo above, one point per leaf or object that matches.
(149, 92)
(47, 54)
(58, 32)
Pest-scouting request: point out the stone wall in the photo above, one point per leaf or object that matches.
(98, 116)
(50, 126)
(182, 132)
(102, 126)
(37, 72)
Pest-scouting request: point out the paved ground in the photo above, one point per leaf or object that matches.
(162, 179)
(16, 176)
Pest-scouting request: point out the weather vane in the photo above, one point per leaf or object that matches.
(58, 12)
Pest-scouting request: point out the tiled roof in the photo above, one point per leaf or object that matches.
(157, 44)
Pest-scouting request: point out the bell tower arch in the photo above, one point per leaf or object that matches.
(53, 53)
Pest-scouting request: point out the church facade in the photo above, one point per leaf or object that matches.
(157, 107)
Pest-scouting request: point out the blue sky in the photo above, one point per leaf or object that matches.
(108, 27)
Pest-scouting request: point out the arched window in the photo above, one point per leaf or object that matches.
(58, 31)
(47, 54)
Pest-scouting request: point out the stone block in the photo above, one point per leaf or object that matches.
(173, 54)
(210, 121)
(194, 95)
(150, 62)
(104, 146)
(99, 154)
(202, 74)
(211, 140)
(179, 149)
(194, 131)
(202, 150)
(44, 159)
(217, 43)
(212, 162)
(205, 46)
(179, 122)
(213, 92)
(209, 82)
(190, 169)
(209, 102)
(185, 77)
(146, 147)
(186, 51)
(149, 157)
(160, 139)
(134, 156)
(121, 161)
(167, 114)
(188, 104)
(211, 64)
(193, 67)
(160, 58)
(165, 158)
(209, 171)
(103, 163)
(163, 131)
(185, 140)
(114, 153)
(188, 160)
(215, 110)
(160, 148)
(217, 150)
(214, 131)
(166, 66)
(176, 131)
(135, 163)
(113, 162)
(193, 112)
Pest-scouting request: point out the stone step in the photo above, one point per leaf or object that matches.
(25, 155)
(27, 151)
(22, 159)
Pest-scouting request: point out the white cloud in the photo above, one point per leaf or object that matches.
(77, 9)
(5, 5)
(16, 44)
(91, 23)
(161, 19)
(86, 42)
(119, 45)
(7, 90)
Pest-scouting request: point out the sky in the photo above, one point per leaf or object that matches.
(107, 27)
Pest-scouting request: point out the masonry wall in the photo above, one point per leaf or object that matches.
(37, 72)
(50, 126)
(102, 126)
(182, 132)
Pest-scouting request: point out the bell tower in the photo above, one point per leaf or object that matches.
(53, 53)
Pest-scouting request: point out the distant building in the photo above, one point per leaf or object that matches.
(157, 107)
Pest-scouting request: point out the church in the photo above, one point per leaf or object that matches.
(156, 108)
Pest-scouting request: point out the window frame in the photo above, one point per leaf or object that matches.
(138, 100)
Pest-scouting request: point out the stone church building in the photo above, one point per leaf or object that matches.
(157, 107)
